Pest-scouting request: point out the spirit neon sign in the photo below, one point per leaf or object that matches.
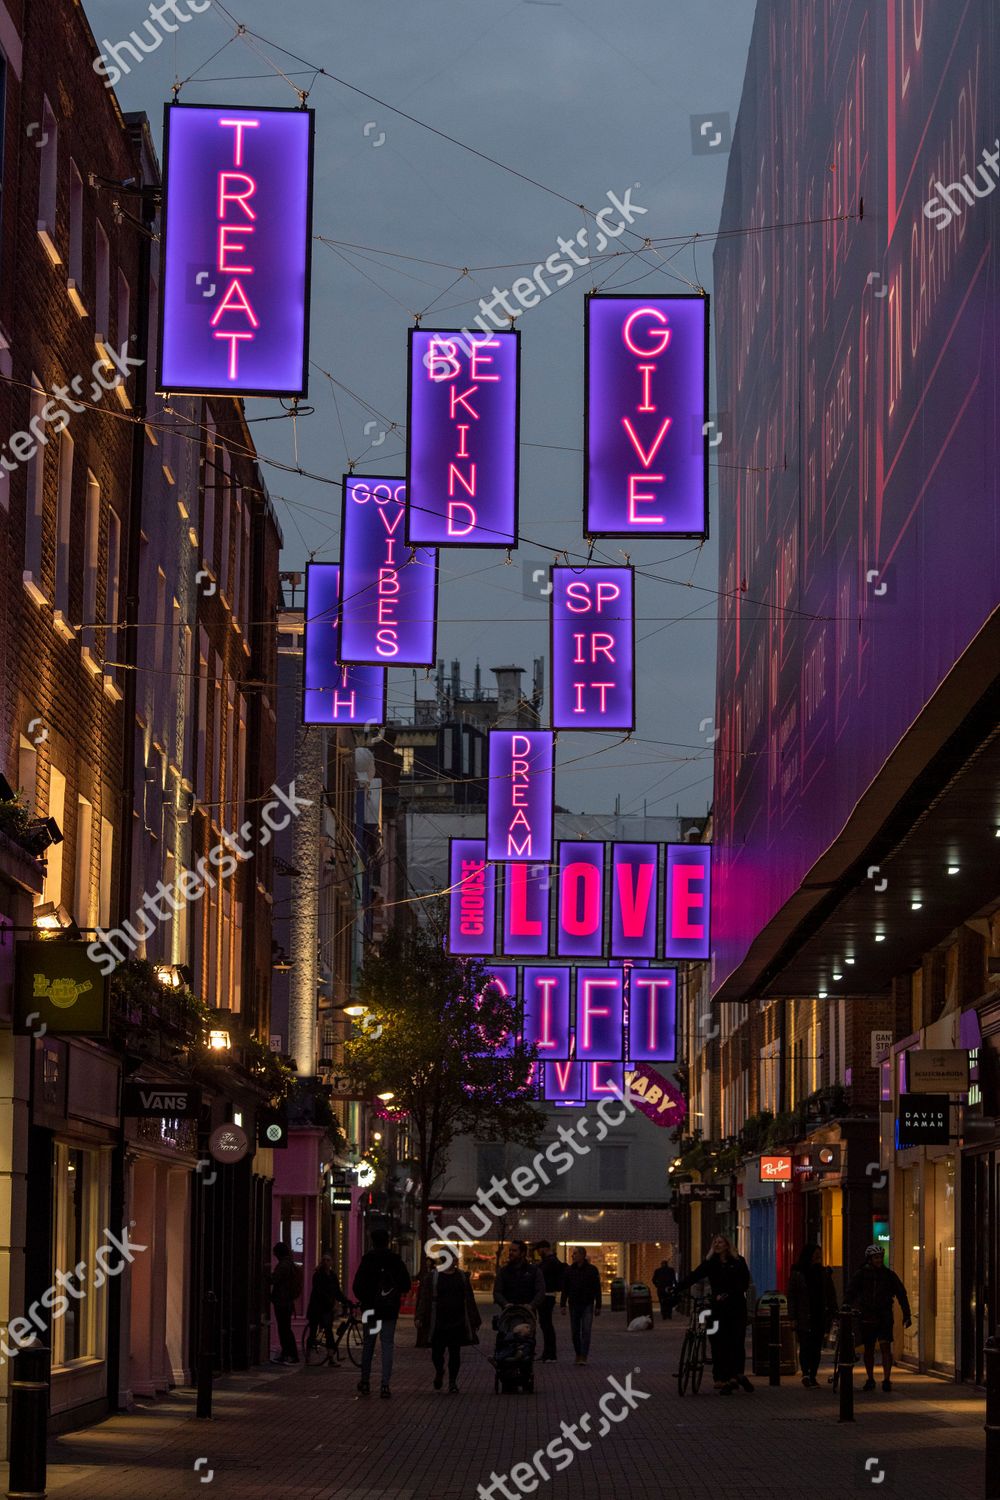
(520, 802)
(333, 693)
(389, 608)
(461, 439)
(593, 648)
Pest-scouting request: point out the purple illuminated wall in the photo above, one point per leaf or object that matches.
(461, 439)
(646, 455)
(634, 883)
(526, 910)
(652, 1015)
(334, 694)
(234, 305)
(593, 648)
(859, 472)
(471, 898)
(688, 901)
(580, 901)
(520, 804)
(389, 609)
(546, 999)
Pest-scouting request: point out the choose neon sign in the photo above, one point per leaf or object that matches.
(646, 377)
(461, 439)
(471, 898)
(333, 693)
(593, 648)
(389, 608)
(237, 237)
(520, 801)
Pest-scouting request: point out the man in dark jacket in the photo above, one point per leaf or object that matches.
(553, 1274)
(286, 1287)
(728, 1277)
(325, 1294)
(665, 1279)
(447, 1318)
(873, 1291)
(379, 1284)
(519, 1281)
(582, 1293)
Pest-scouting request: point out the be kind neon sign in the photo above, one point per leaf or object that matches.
(593, 648)
(646, 440)
(461, 439)
(237, 236)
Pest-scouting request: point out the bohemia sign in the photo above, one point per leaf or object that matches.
(389, 604)
(645, 467)
(461, 439)
(519, 805)
(593, 649)
(237, 235)
(333, 693)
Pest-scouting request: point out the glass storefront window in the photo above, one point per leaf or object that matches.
(942, 1352)
(78, 1220)
(908, 1268)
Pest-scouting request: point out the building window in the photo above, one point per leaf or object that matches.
(75, 281)
(123, 311)
(64, 520)
(35, 501)
(407, 754)
(107, 864)
(48, 146)
(79, 1211)
(27, 771)
(84, 855)
(102, 286)
(91, 563)
(111, 589)
(612, 1168)
(54, 854)
(208, 514)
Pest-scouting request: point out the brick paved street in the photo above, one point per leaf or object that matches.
(283, 1432)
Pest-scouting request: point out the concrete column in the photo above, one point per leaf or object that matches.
(310, 780)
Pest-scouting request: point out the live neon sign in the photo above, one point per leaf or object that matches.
(462, 439)
(236, 251)
(646, 440)
(520, 802)
(334, 693)
(388, 614)
(593, 648)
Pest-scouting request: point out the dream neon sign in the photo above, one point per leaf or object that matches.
(646, 439)
(520, 801)
(462, 439)
(334, 693)
(237, 235)
(593, 648)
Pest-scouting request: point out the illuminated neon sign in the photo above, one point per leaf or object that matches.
(389, 609)
(461, 439)
(652, 1015)
(688, 896)
(471, 898)
(580, 901)
(526, 910)
(593, 648)
(333, 693)
(634, 869)
(520, 802)
(646, 380)
(237, 237)
(562, 1083)
(504, 981)
(600, 1014)
(547, 1005)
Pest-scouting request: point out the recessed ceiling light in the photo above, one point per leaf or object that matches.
(953, 869)
(848, 960)
(822, 994)
(838, 976)
(916, 905)
(880, 937)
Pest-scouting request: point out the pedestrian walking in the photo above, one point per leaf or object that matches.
(447, 1319)
(812, 1307)
(872, 1291)
(581, 1293)
(286, 1288)
(324, 1295)
(728, 1277)
(379, 1284)
(665, 1279)
(519, 1281)
(554, 1275)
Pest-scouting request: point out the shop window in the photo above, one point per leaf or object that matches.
(79, 1210)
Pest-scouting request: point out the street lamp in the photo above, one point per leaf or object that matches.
(220, 1041)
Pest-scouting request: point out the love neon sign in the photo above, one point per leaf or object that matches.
(646, 379)
(333, 693)
(634, 871)
(580, 909)
(237, 237)
(526, 910)
(593, 648)
(688, 898)
(520, 801)
(462, 438)
(471, 898)
(388, 613)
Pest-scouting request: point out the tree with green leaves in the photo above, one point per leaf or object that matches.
(438, 1036)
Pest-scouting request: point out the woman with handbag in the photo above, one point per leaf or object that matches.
(447, 1318)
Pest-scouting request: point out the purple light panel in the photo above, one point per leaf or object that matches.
(600, 1014)
(646, 376)
(688, 888)
(563, 1083)
(234, 310)
(604, 1079)
(652, 1015)
(461, 439)
(593, 648)
(634, 903)
(580, 901)
(388, 615)
(546, 998)
(526, 910)
(335, 694)
(503, 979)
(471, 898)
(520, 805)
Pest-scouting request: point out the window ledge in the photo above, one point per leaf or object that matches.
(46, 235)
(111, 689)
(75, 294)
(63, 626)
(33, 589)
(90, 660)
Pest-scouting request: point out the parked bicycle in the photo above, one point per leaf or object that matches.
(694, 1350)
(350, 1333)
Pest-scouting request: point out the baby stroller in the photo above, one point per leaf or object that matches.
(513, 1357)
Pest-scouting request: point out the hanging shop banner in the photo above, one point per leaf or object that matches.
(634, 870)
(462, 439)
(776, 1169)
(237, 238)
(646, 380)
(520, 800)
(59, 990)
(333, 693)
(471, 898)
(658, 1099)
(503, 981)
(923, 1120)
(546, 1000)
(388, 612)
(935, 1070)
(580, 904)
(600, 1014)
(526, 910)
(604, 1080)
(593, 648)
(652, 1015)
(160, 1100)
(563, 1083)
(688, 892)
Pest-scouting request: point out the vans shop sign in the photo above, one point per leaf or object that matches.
(160, 1101)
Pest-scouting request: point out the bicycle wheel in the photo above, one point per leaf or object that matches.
(684, 1366)
(317, 1351)
(354, 1340)
(698, 1358)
